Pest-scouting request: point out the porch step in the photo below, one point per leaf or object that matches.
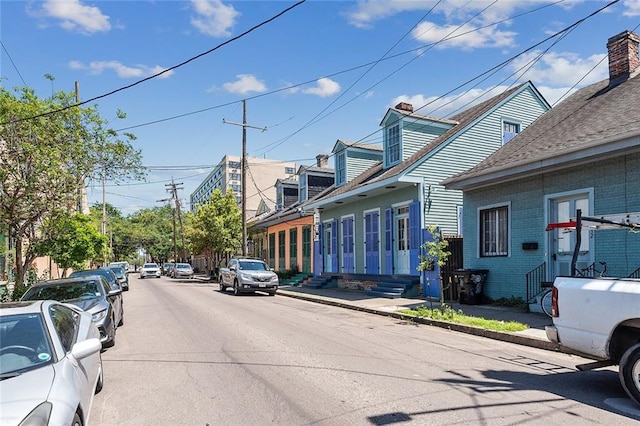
(393, 290)
(296, 279)
(319, 282)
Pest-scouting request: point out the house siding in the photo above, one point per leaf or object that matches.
(357, 210)
(359, 162)
(615, 190)
(479, 141)
(416, 135)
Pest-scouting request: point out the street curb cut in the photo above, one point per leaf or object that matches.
(496, 335)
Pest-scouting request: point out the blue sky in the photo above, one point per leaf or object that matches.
(322, 71)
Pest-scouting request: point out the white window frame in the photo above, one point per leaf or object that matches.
(499, 231)
(392, 151)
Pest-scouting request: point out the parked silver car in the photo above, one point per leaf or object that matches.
(50, 365)
(90, 293)
(150, 270)
(182, 270)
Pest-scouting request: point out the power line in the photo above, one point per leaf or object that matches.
(12, 63)
(232, 39)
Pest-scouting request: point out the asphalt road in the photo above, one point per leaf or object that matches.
(190, 355)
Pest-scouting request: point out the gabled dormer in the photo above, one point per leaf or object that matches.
(353, 158)
(405, 132)
(286, 192)
(314, 179)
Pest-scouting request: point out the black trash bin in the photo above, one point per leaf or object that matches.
(471, 284)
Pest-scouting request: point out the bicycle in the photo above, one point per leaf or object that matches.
(591, 270)
(545, 300)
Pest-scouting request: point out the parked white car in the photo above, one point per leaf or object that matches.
(150, 270)
(50, 365)
(182, 270)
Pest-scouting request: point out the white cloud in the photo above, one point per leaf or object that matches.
(245, 83)
(465, 37)
(562, 69)
(632, 8)
(75, 16)
(325, 87)
(122, 71)
(447, 106)
(214, 18)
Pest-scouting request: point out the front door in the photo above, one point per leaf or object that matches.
(402, 241)
(563, 241)
(328, 246)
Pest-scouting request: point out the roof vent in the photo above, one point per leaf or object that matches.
(404, 106)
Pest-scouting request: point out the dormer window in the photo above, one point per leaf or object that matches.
(341, 169)
(279, 197)
(302, 188)
(392, 148)
(509, 131)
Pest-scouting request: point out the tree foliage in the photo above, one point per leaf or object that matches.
(152, 231)
(71, 240)
(215, 227)
(48, 151)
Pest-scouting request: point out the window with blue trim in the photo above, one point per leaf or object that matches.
(302, 188)
(392, 150)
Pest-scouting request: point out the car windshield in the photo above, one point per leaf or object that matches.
(150, 265)
(252, 266)
(183, 266)
(118, 271)
(23, 344)
(64, 292)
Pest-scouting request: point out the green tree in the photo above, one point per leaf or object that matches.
(215, 228)
(48, 150)
(71, 240)
(153, 232)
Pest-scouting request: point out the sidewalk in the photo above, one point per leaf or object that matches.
(534, 336)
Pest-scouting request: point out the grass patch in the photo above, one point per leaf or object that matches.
(446, 313)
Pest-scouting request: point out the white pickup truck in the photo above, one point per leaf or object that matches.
(600, 317)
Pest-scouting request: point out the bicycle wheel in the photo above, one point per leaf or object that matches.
(545, 302)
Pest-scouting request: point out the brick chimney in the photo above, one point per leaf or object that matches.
(404, 106)
(623, 57)
(322, 160)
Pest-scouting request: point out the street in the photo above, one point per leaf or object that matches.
(190, 355)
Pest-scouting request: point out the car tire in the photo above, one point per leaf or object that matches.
(77, 421)
(121, 323)
(236, 288)
(629, 372)
(100, 383)
(223, 288)
(112, 338)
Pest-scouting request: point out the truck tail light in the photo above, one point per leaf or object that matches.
(554, 302)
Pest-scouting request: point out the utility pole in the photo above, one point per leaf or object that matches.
(173, 213)
(173, 188)
(244, 170)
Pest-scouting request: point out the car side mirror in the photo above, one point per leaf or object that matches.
(232, 268)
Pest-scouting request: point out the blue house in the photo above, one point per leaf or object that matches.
(373, 221)
(583, 154)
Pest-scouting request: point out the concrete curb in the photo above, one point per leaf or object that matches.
(476, 331)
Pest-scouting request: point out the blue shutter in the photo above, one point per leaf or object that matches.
(414, 237)
(388, 242)
(334, 245)
(348, 264)
(318, 264)
(372, 243)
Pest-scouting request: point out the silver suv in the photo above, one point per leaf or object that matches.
(246, 275)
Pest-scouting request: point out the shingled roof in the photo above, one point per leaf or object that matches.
(463, 120)
(594, 123)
